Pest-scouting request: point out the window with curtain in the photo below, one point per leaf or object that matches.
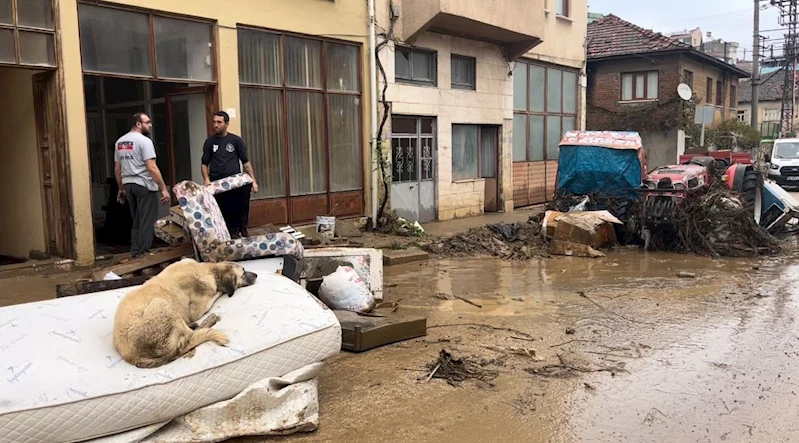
(474, 151)
(301, 113)
(544, 108)
(465, 139)
(639, 86)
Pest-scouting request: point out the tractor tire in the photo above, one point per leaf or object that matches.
(622, 209)
(749, 187)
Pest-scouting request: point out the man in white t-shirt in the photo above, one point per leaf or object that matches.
(139, 179)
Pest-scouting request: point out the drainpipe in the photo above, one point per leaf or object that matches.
(373, 108)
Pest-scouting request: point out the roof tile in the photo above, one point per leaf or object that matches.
(612, 36)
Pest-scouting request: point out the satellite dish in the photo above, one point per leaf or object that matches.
(684, 91)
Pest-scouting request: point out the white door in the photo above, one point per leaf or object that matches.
(413, 166)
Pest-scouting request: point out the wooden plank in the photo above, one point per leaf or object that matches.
(162, 256)
(80, 288)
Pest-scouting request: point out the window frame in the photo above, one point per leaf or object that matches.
(688, 78)
(478, 158)
(418, 136)
(152, 54)
(733, 97)
(719, 93)
(635, 97)
(528, 114)
(473, 71)
(15, 28)
(433, 54)
(709, 91)
(284, 89)
(566, 9)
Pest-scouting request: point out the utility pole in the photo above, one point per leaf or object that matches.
(789, 18)
(756, 68)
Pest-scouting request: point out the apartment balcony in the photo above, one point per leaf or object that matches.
(515, 28)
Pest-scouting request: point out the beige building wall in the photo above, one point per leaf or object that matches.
(489, 104)
(344, 20)
(22, 223)
(564, 44)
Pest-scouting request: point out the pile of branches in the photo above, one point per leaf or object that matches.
(716, 224)
(457, 370)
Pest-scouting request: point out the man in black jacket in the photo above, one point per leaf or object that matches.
(223, 155)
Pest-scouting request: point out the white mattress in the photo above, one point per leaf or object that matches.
(63, 381)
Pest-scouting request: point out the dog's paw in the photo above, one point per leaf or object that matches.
(209, 321)
(189, 354)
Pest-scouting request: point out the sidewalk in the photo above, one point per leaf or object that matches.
(450, 227)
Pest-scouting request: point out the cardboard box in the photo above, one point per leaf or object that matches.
(592, 228)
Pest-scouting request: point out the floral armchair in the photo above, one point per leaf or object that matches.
(208, 231)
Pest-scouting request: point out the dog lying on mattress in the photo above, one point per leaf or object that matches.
(157, 323)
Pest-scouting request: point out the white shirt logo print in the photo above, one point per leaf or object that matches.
(216, 148)
(229, 148)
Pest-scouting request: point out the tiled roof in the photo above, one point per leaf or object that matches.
(770, 87)
(612, 36)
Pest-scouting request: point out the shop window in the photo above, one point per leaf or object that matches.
(322, 139)
(183, 49)
(28, 37)
(117, 41)
(545, 107)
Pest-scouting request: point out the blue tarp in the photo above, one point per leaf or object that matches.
(591, 169)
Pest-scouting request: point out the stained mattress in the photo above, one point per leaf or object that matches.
(63, 381)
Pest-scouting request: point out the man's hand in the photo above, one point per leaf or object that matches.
(207, 182)
(254, 187)
(121, 197)
(165, 198)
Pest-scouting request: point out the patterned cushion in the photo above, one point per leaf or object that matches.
(209, 232)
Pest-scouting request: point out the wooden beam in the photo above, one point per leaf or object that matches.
(163, 256)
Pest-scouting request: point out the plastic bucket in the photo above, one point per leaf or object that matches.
(326, 226)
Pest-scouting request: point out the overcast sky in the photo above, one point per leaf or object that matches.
(730, 20)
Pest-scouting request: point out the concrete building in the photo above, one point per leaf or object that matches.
(291, 74)
(769, 103)
(456, 78)
(694, 37)
(632, 70)
(722, 50)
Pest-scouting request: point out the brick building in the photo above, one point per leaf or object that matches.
(631, 68)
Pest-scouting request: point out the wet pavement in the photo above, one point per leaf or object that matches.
(640, 356)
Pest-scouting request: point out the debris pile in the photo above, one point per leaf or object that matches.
(457, 370)
(393, 224)
(511, 241)
(717, 224)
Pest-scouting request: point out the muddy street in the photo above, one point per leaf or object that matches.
(611, 350)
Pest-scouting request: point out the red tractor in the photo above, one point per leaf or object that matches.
(668, 187)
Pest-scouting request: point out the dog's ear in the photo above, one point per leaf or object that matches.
(225, 280)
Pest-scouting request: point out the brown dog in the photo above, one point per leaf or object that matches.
(157, 323)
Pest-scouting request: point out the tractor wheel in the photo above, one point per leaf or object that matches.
(749, 186)
(621, 208)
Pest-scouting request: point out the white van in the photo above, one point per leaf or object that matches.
(783, 163)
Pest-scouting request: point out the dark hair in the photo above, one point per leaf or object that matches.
(224, 116)
(137, 118)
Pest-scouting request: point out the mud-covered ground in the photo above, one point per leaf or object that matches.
(617, 349)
